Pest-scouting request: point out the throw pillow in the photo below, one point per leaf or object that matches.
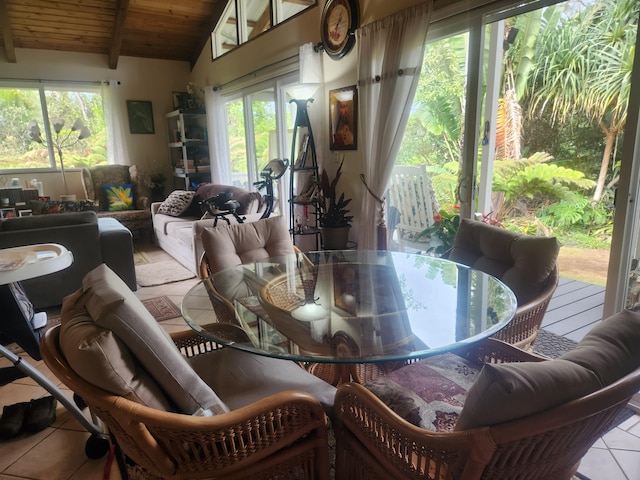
(508, 391)
(176, 203)
(119, 197)
(612, 349)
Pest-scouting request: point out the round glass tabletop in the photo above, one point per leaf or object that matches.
(349, 306)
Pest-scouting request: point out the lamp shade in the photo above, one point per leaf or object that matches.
(57, 123)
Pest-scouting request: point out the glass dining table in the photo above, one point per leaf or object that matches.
(346, 308)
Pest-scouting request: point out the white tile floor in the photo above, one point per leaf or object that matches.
(57, 453)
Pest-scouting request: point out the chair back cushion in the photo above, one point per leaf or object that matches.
(612, 349)
(114, 307)
(507, 391)
(522, 262)
(231, 245)
(100, 358)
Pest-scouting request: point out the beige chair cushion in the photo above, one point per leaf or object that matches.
(114, 307)
(522, 262)
(612, 349)
(508, 391)
(242, 378)
(231, 245)
(100, 358)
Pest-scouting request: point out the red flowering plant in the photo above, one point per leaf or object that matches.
(440, 235)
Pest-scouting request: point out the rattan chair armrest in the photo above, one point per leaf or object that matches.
(191, 343)
(493, 350)
(523, 330)
(235, 440)
(396, 443)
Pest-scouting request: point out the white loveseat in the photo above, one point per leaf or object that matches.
(181, 236)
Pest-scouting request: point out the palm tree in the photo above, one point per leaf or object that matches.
(584, 67)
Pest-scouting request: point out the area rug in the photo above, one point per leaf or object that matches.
(166, 271)
(162, 308)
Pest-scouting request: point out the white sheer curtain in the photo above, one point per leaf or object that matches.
(390, 53)
(115, 117)
(220, 158)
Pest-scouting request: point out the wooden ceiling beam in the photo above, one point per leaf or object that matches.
(7, 35)
(118, 31)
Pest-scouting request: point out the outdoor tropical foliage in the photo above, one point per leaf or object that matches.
(19, 106)
(560, 119)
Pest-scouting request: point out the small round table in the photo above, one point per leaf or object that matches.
(349, 307)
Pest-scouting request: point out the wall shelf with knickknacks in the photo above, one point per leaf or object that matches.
(303, 195)
(188, 148)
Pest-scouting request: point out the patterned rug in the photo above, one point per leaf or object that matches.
(162, 308)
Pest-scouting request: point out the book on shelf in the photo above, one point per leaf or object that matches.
(302, 154)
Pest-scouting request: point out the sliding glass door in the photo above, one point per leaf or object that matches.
(524, 118)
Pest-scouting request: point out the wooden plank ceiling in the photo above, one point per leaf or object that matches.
(159, 29)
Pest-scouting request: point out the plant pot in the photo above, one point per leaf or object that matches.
(334, 238)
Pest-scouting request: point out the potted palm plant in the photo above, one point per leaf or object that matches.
(335, 220)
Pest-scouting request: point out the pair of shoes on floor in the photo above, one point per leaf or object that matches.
(29, 417)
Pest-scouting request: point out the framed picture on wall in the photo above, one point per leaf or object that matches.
(140, 116)
(343, 118)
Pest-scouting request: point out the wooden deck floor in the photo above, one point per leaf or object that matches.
(575, 308)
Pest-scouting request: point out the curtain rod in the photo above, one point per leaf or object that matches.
(39, 80)
(255, 72)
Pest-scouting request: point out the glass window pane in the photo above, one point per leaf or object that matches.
(19, 106)
(237, 142)
(264, 127)
(257, 16)
(287, 9)
(225, 35)
(85, 107)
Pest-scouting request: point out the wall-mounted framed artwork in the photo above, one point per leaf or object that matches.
(140, 116)
(343, 118)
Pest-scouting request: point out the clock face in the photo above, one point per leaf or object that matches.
(339, 21)
(337, 25)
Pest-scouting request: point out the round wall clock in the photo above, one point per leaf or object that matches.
(340, 18)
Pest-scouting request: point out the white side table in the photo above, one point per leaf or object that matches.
(16, 323)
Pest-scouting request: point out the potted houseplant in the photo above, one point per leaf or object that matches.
(335, 220)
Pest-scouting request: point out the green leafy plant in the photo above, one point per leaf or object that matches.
(443, 231)
(333, 210)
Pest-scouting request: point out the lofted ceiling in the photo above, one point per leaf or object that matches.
(159, 29)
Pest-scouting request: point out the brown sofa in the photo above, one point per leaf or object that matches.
(181, 236)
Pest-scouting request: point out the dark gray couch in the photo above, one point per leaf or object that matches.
(91, 240)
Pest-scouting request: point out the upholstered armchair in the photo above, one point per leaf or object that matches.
(525, 263)
(178, 406)
(119, 193)
(491, 411)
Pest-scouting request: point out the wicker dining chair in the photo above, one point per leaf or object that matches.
(282, 436)
(525, 263)
(532, 420)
